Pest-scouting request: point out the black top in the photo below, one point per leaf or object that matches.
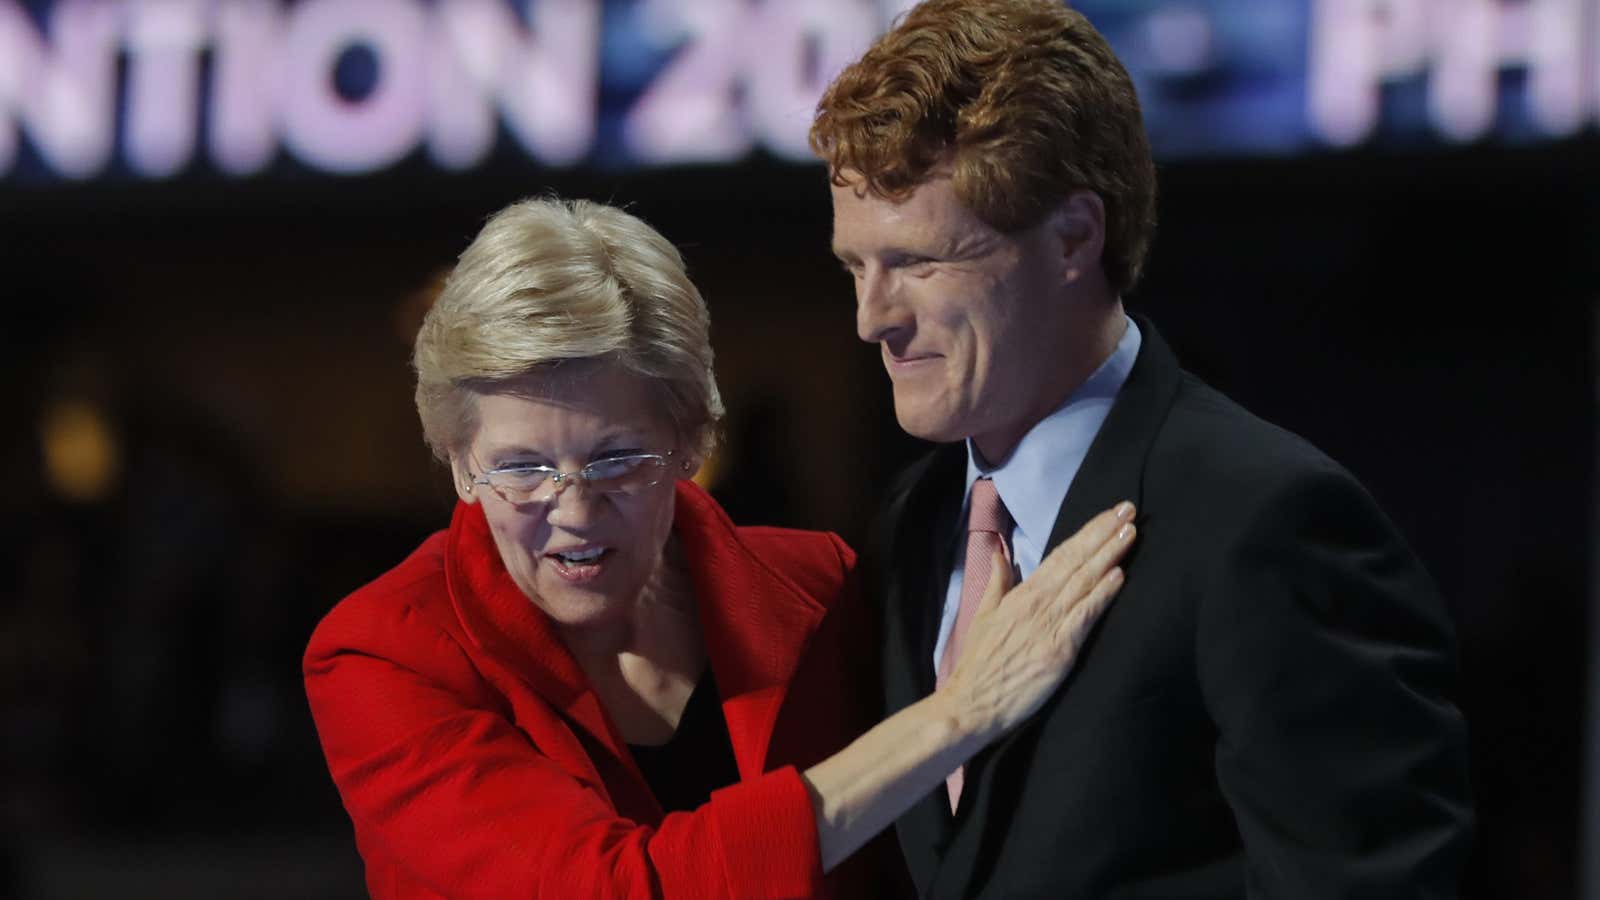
(698, 758)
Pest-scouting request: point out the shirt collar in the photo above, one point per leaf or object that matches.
(1033, 483)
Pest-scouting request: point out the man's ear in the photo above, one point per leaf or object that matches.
(1078, 224)
(461, 479)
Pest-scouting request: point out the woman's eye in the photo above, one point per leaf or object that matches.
(610, 468)
(517, 467)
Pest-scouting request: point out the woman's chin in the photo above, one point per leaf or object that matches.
(572, 607)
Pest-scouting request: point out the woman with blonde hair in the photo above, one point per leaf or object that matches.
(592, 683)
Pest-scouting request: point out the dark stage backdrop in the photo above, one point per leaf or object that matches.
(214, 439)
(1427, 321)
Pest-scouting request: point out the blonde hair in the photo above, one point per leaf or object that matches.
(548, 281)
(1024, 101)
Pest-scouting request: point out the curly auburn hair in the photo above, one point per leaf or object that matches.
(1022, 100)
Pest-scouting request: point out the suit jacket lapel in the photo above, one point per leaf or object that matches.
(909, 562)
(1114, 468)
(920, 555)
(756, 624)
(1111, 472)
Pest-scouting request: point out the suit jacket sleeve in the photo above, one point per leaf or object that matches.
(1327, 662)
(428, 766)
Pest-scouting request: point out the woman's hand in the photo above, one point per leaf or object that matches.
(1018, 649)
(1024, 640)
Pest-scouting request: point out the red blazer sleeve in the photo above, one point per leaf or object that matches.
(439, 780)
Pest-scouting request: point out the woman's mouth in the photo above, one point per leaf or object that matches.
(579, 564)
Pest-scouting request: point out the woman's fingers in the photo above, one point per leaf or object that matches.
(1020, 645)
(1104, 557)
(1067, 574)
(999, 581)
(1095, 583)
(1074, 566)
(1090, 587)
(1062, 563)
(1081, 616)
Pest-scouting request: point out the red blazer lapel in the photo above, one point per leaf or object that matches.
(507, 626)
(756, 622)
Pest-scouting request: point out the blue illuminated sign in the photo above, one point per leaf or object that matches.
(152, 89)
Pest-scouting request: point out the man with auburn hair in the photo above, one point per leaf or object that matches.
(1267, 710)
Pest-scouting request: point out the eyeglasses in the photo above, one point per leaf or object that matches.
(612, 475)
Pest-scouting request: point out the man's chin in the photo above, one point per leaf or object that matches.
(928, 426)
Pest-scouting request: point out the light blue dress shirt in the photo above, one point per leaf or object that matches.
(1033, 483)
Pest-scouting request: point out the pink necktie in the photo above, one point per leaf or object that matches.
(988, 525)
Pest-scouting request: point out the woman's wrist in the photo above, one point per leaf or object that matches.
(952, 723)
(863, 788)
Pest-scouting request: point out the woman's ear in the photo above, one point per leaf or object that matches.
(461, 478)
(689, 464)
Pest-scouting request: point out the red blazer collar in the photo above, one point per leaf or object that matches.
(756, 623)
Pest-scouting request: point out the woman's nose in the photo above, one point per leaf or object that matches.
(574, 504)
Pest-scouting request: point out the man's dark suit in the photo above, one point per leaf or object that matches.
(1265, 710)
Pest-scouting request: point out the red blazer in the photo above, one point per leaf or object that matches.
(476, 761)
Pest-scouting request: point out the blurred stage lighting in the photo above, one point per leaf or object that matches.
(82, 455)
(159, 89)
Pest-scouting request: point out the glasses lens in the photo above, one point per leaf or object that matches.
(624, 473)
(519, 485)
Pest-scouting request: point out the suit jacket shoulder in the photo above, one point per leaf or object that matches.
(1207, 433)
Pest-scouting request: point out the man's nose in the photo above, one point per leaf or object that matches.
(878, 310)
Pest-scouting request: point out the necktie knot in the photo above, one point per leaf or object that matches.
(987, 513)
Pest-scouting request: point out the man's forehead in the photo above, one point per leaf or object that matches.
(864, 226)
(855, 209)
(932, 209)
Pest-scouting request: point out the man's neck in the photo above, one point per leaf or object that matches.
(1083, 356)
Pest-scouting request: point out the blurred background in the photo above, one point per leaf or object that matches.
(221, 222)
